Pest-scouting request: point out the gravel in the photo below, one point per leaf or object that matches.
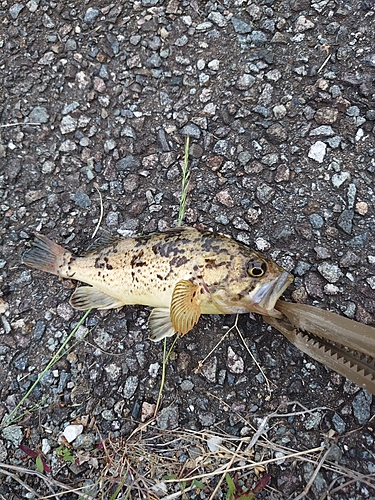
(278, 101)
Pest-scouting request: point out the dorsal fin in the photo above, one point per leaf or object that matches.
(100, 243)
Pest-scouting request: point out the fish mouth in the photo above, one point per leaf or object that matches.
(264, 297)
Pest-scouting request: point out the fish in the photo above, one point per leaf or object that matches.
(181, 274)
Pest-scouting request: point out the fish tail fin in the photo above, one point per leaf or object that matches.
(45, 255)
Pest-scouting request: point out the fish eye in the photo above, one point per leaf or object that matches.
(257, 269)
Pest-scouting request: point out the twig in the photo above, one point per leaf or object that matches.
(324, 63)
(201, 362)
(179, 493)
(22, 483)
(253, 358)
(313, 477)
(5, 125)
(5, 469)
(348, 483)
(261, 430)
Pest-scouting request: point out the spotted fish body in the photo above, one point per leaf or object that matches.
(182, 273)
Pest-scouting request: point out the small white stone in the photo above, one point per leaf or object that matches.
(32, 5)
(331, 272)
(331, 289)
(318, 151)
(371, 282)
(274, 75)
(235, 363)
(3, 306)
(187, 20)
(303, 24)
(245, 81)
(71, 432)
(153, 369)
(148, 410)
(360, 133)
(262, 244)
(201, 63)
(279, 111)
(46, 448)
(340, 178)
(214, 64)
(209, 109)
(280, 455)
(68, 124)
(214, 443)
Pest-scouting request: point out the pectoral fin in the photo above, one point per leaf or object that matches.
(185, 306)
(160, 324)
(87, 297)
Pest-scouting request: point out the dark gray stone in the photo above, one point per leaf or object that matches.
(168, 418)
(81, 199)
(21, 363)
(345, 221)
(40, 328)
(85, 441)
(15, 10)
(128, 163)
(358, 241)
(338, 424)
(362, 407)
(91, 15)
(258, 38)
(39, 114)
(316, 221)
(241, 27)
(191, 130)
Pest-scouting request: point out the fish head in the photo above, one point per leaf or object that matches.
(269, 282)
(253, 284)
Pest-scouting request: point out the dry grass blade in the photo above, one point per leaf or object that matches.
(101, 211)
(184, 182)
(148, 464)
(225, 472)
(6, 125)
(253, 358)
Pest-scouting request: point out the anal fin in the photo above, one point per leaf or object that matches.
(160, 324)
(88, 297)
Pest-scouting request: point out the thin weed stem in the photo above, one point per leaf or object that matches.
(181, 214)
(184, 182)
(164, 370)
